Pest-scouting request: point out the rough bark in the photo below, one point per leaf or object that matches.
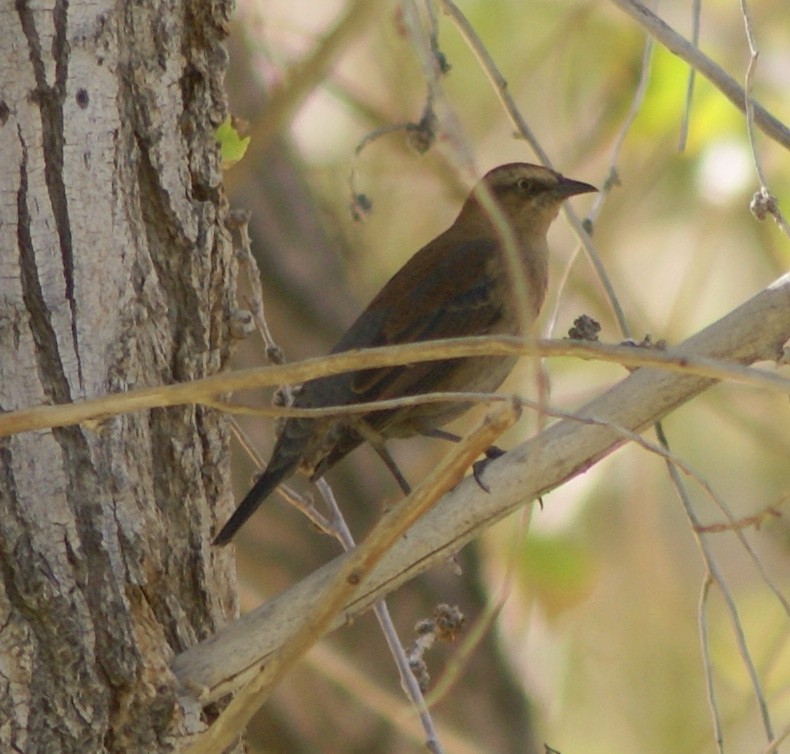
(116, 272)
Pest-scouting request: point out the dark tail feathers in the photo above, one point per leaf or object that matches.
(271, 478)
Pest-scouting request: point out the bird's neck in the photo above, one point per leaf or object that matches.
(530, 227)
(531, 243)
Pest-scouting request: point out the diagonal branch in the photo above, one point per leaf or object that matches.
(566, 449)
(347, 580)
(684, 49)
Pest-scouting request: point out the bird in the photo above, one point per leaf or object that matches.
(456, 285)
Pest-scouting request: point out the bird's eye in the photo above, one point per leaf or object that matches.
(524, 185)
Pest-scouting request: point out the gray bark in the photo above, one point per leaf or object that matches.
(115, 272)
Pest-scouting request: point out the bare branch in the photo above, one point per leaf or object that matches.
(204, 391)
(727, 85)
(561, 452)
(347, 581)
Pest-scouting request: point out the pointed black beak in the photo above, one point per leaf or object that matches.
(568, 187)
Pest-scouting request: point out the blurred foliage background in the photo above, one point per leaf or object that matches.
(596, 647)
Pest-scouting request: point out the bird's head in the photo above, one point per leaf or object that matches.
(530, 196)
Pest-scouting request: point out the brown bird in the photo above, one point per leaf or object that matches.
(455, 286)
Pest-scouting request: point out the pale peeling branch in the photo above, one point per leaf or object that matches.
(566, 449)
(728, 86)
(345, 582)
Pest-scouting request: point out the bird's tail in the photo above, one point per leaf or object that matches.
(271, 478)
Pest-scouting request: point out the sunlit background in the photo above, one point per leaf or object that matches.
(597, 645)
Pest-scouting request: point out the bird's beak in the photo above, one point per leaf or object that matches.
(568, 187)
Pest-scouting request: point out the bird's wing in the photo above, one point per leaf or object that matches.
(455, 297)
(448, 294)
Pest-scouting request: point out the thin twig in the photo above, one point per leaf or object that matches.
(684, 124)
(207, 389)
(707, 663)
(483, 624)
(727, 85)
(337, 527)
(612, 179)
(408, 681)
(763, 202)
(718, 578)
(495, 77)
(304, 506)
(345, 582)
(773, 747)
(462, 158)
(747, 92)
(274, 354)
(499, 83)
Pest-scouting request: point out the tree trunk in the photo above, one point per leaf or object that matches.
(117, 272)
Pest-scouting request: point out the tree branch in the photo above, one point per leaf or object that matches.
(684, 49)
(566, 449)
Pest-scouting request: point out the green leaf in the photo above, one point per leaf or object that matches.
(231, 142)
